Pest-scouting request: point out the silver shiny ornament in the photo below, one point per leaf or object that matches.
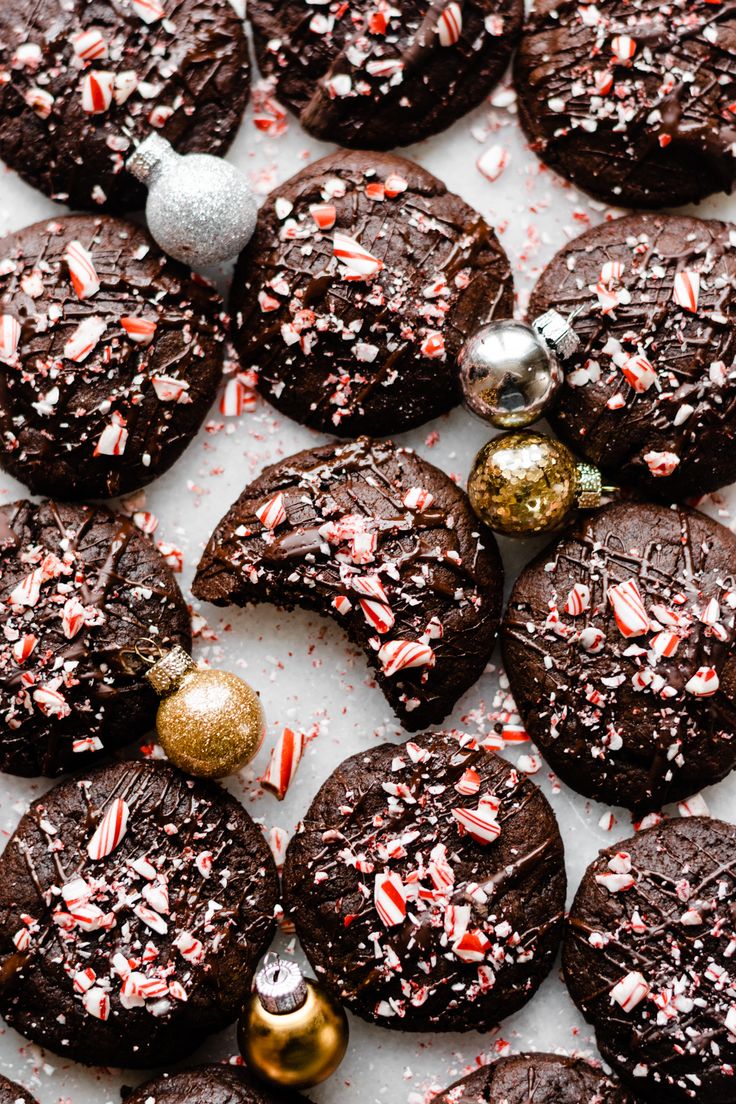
(200, 209)
(510, 371)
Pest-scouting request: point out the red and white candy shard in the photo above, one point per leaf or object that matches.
(450, 24)
(82, 272)
(110, 831)
(630, 991)
(354, 257)
(578, 600)
(272, 513)
(150, 11)
(639, 372)
(661, 463)
(285, 758)
(481, 823)
(324, 214)
(378, 615)
(170, 389)
(97, 89)
(472, 946)
(389, 899)
(140, 330)
(113, 438)
(85, 339)
(417, 498)
(628, 608)
(9, 338)
(703, 683)
(686, 289)
(396, 655)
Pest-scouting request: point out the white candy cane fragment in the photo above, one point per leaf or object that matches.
(640, 373)
(686, 289)
(395, 185)
(469, 783)
(82, 271)
(285, 758)
(730, 1020)
(481, 824)
(9, 338)
(40, 100)
(433, 345)
(472, 946)
(51, 702)
(370, 586)
(150, 11)
(354, 257)
(97, 1003)
(324, 214)
(89, 45)
(190, 948)
(97, 89)
(703, 683)
(72, 617)
(110, 830)
(23, 647)
(278, 841)
(170, 389)
(630, 991)
(615, 883)
(661, 463)
(694, 806)
(628, 608)
(84, 339)
(378, 615)
(623, 47)
(342, 604)
(390, 902)
(416, 498)
(140, 330)
(665, 644)
(113, 438)
(492, 162)
(396, 655)
(578, 600)
(272, 513)
(450, 24)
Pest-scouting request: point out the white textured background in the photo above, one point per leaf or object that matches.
(306, 673)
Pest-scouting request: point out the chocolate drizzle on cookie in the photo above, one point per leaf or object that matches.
(630, 100)
(110, 357)
(81, 82)
(650, 395)
(377, 76)
(427, 885)
(79, 587)
(134, 906)
(363, 279)
(383, 542)
(649, 955)
(618, 642)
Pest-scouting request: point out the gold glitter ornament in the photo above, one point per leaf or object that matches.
(525, 483)
(291, 1032)
(209, 723)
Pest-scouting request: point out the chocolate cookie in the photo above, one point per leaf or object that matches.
(354, 296)
(79, 588)
(209, 1085)
(632, 100)
(134, 906)
(648, 959)
(427, 885)
(110, 356)
(536, 1079)
(10, 1093)
(377, 538)
(651, 395)
(83, 82)
(377, 76)
(619, 646)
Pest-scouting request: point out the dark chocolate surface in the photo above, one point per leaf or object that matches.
(481, 921)
(132, 958)
(631, 99)
(209, 1085)
(365, 345)
(651, 395)
(385, 543)
(634, 720)
(536, 1079)
(179, 67)
(88, 409)
(374, 77)
(660, 907)
(10, 1093)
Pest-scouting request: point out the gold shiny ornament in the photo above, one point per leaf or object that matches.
(526, 483)
(209, 723)
(291, 1032)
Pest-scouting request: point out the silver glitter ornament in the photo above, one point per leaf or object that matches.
(200, 209)
(510, 371)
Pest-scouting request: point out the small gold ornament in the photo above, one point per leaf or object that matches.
(291, 1032)
(526, 483)
(209, 723)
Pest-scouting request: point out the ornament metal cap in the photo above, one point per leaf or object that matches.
(280, 985)
(167, 672)
(590, 486)
(149, 156)
(558, 333)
